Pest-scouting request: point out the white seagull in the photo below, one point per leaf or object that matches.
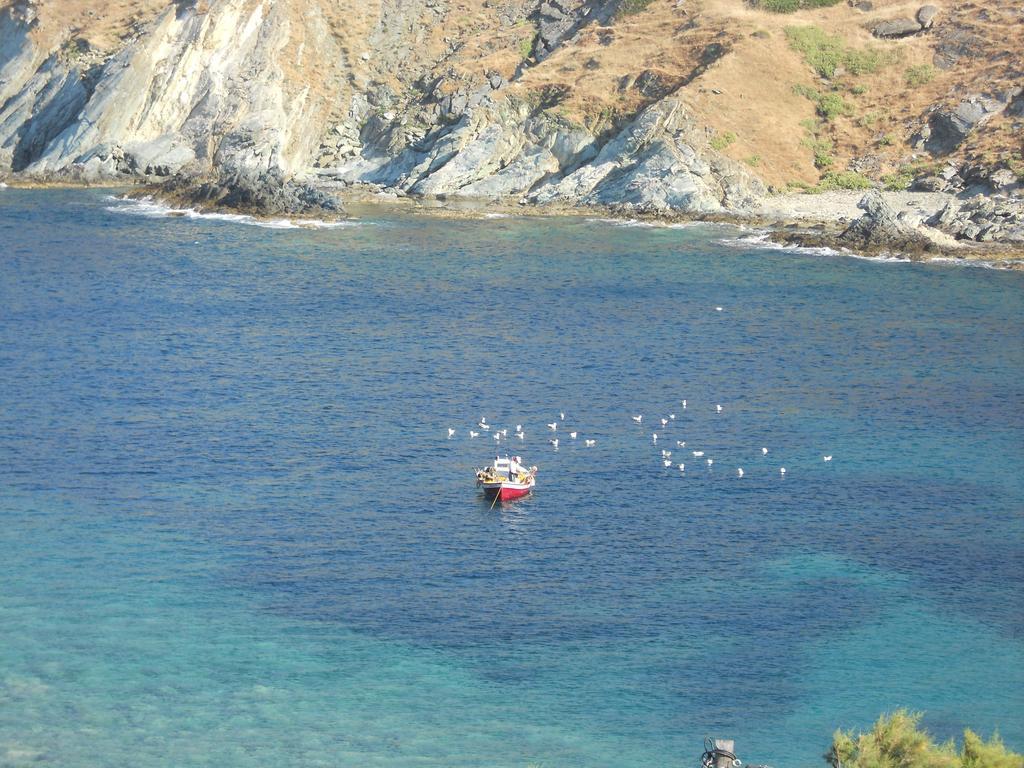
(450, 433)
(520, 435)
(684, 405)
(680, 443)
(672, 416)
(639, 418)
(554, 442)
(764, 451)
(497, 435)
(666, 462)
(782, 471)
(590, 443)
(739, 471)
(484, 425)
(710, 462)
(473, 434)
(826, 458)
(718, 309)
(698, 454)
(682, 467)
(718, 408)
(655, 436)
(665, 454)
(553, 426)
(519, 427)
(572, 435)
(664, 422)
(561, 415)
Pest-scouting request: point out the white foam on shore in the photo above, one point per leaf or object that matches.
(650, 224)
(761, 240)
(150, 208)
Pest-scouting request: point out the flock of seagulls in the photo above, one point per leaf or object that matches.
(666, 455)
(667, 422)
(502, 434)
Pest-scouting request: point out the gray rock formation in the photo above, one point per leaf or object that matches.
(926, 16)
(948, 128)
(659, 162)
(882, 229)
(896, 28)
(983, 219)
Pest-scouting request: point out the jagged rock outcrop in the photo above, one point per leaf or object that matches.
(983, 219)
(882, 229)
(199, 86)
(657, 163)
(260, 192)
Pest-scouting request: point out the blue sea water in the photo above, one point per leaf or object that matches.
(233, 532)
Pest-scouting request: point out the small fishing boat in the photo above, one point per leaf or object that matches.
(506, 479)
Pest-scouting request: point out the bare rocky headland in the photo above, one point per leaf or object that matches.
(696, 110)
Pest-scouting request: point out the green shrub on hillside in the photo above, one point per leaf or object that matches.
(627, 7)
(845, 180)
(722, 140)
(822, 149)
(919, 75)
(825, 53)
(789, 6)
(829, 105)
(897, 741)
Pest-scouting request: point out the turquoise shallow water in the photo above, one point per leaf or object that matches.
(233, 532)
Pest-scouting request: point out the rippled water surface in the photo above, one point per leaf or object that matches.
(233, 532)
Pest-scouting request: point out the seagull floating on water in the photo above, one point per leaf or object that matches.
(473, 434)
(739, 471)
(665, 454)
(698, 454)
(519, 427)
(590, 443)
(655, 436)
(826, 458)
(561, 415)
(639, 418)
(718, 408)
(450, 433)
(710, 462)
(684, 405)
(672, 416)
(680, 443)
(484, 425)
(664, 422)
(553, 426)
(718, 309)
(520, 435)
(682, 467)
(554, 442)
(782, 471)
(497, 435)
(764, 451)
(572, 435)
(667, 462)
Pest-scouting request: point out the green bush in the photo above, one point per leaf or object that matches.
(789, 6)
(822, 149)
(831, 106)
(526, 48)
(919, 75)
(722, 140)
(897, 741)
(845, 180)
(828, 105)
(753, 161)
(826, 53)
(627, 7)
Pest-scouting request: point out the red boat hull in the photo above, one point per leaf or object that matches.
(506, 494)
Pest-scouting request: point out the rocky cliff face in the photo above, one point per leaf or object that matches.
(649, 105)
